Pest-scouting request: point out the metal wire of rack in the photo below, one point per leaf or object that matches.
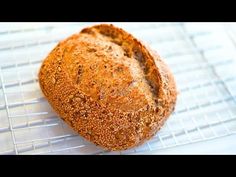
(201, 56)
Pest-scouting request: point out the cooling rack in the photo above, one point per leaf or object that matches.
(201, 56)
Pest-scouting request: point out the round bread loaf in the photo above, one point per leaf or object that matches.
(108, 86)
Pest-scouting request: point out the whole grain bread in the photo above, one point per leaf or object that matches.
(108, 86)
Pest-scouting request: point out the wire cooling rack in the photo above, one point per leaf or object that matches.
(201, 56)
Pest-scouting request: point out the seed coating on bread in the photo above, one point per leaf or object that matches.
(109, 87)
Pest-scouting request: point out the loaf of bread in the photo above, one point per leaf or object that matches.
(108, 86)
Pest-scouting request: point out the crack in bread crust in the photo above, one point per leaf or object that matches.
(132, 57)
(138, 68)
(108, 86)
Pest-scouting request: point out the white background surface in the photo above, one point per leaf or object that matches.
(225, 145)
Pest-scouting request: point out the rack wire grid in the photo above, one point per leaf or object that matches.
(201, 56)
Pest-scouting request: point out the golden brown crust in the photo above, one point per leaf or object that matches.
(108, 86)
